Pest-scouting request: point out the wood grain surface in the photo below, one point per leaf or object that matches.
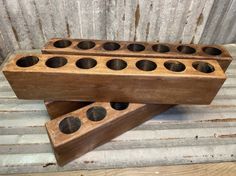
(79, 132)
(138, 49)
(210, 169)
(59, 108)
(100, 78)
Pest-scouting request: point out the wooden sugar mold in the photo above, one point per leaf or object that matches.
(120, 79)
(79, 132)
(57, 108)
(60, 108)
(138, 49)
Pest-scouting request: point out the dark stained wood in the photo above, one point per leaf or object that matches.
(151, 49)
(59, 108)
(92, 134)
(100, 83)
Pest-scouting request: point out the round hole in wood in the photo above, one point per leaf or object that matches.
(160, 48)
(56, 62)
(146, 65)
(62, 43)
(186, 49)
(84, 45)
(69, 125)
(136, 47)
(116, 64)
(174, 66)
(27, 61)
(203, 67)
(96, 113)
(86, 63)
(212, 51)
(119, 105)
(111, 46)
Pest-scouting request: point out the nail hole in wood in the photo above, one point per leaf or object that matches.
(111, 46)
(116, 64)
(203, 67)
(186, 49)
(85, 45)
(86, 63)
(56, 62)
(146, 65)
(96, 113)
(212, 51)
(62, 43)
(69, 125)
(119, 105)
(174, 66)
(136, 47)
(27, 61)
(160, 48)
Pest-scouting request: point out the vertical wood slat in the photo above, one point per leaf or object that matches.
(99, 17)
(87, 19)
(142, 20)
(6, 28)
(33, 22)
(176, 25)
(28, 24)
(111, 20)
(91, 16)
(194, 14)
(165, 18)
(3, 49)
(120, 20)
(45, 16)
(202, 20)
(218, 10)
(73, 18)
(154, 27)
(229, 21)
(131, 18)
(19, 27)
(58, 17)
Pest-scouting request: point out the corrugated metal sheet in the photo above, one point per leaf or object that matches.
(27, 24)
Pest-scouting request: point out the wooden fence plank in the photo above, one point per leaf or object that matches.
(215, 169)
(18, 24)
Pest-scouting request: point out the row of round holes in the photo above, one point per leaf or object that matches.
(116, 64)
(72, 124)
(135, 47)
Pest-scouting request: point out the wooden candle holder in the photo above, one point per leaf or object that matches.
(138, 49)
(79, 132)
(100, 78)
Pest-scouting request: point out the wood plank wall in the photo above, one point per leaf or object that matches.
(28, 24)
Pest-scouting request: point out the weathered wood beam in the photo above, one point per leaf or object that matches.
(139, 49)
(79, 132)
(123, 79)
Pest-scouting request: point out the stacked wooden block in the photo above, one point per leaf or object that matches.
(96, 90)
